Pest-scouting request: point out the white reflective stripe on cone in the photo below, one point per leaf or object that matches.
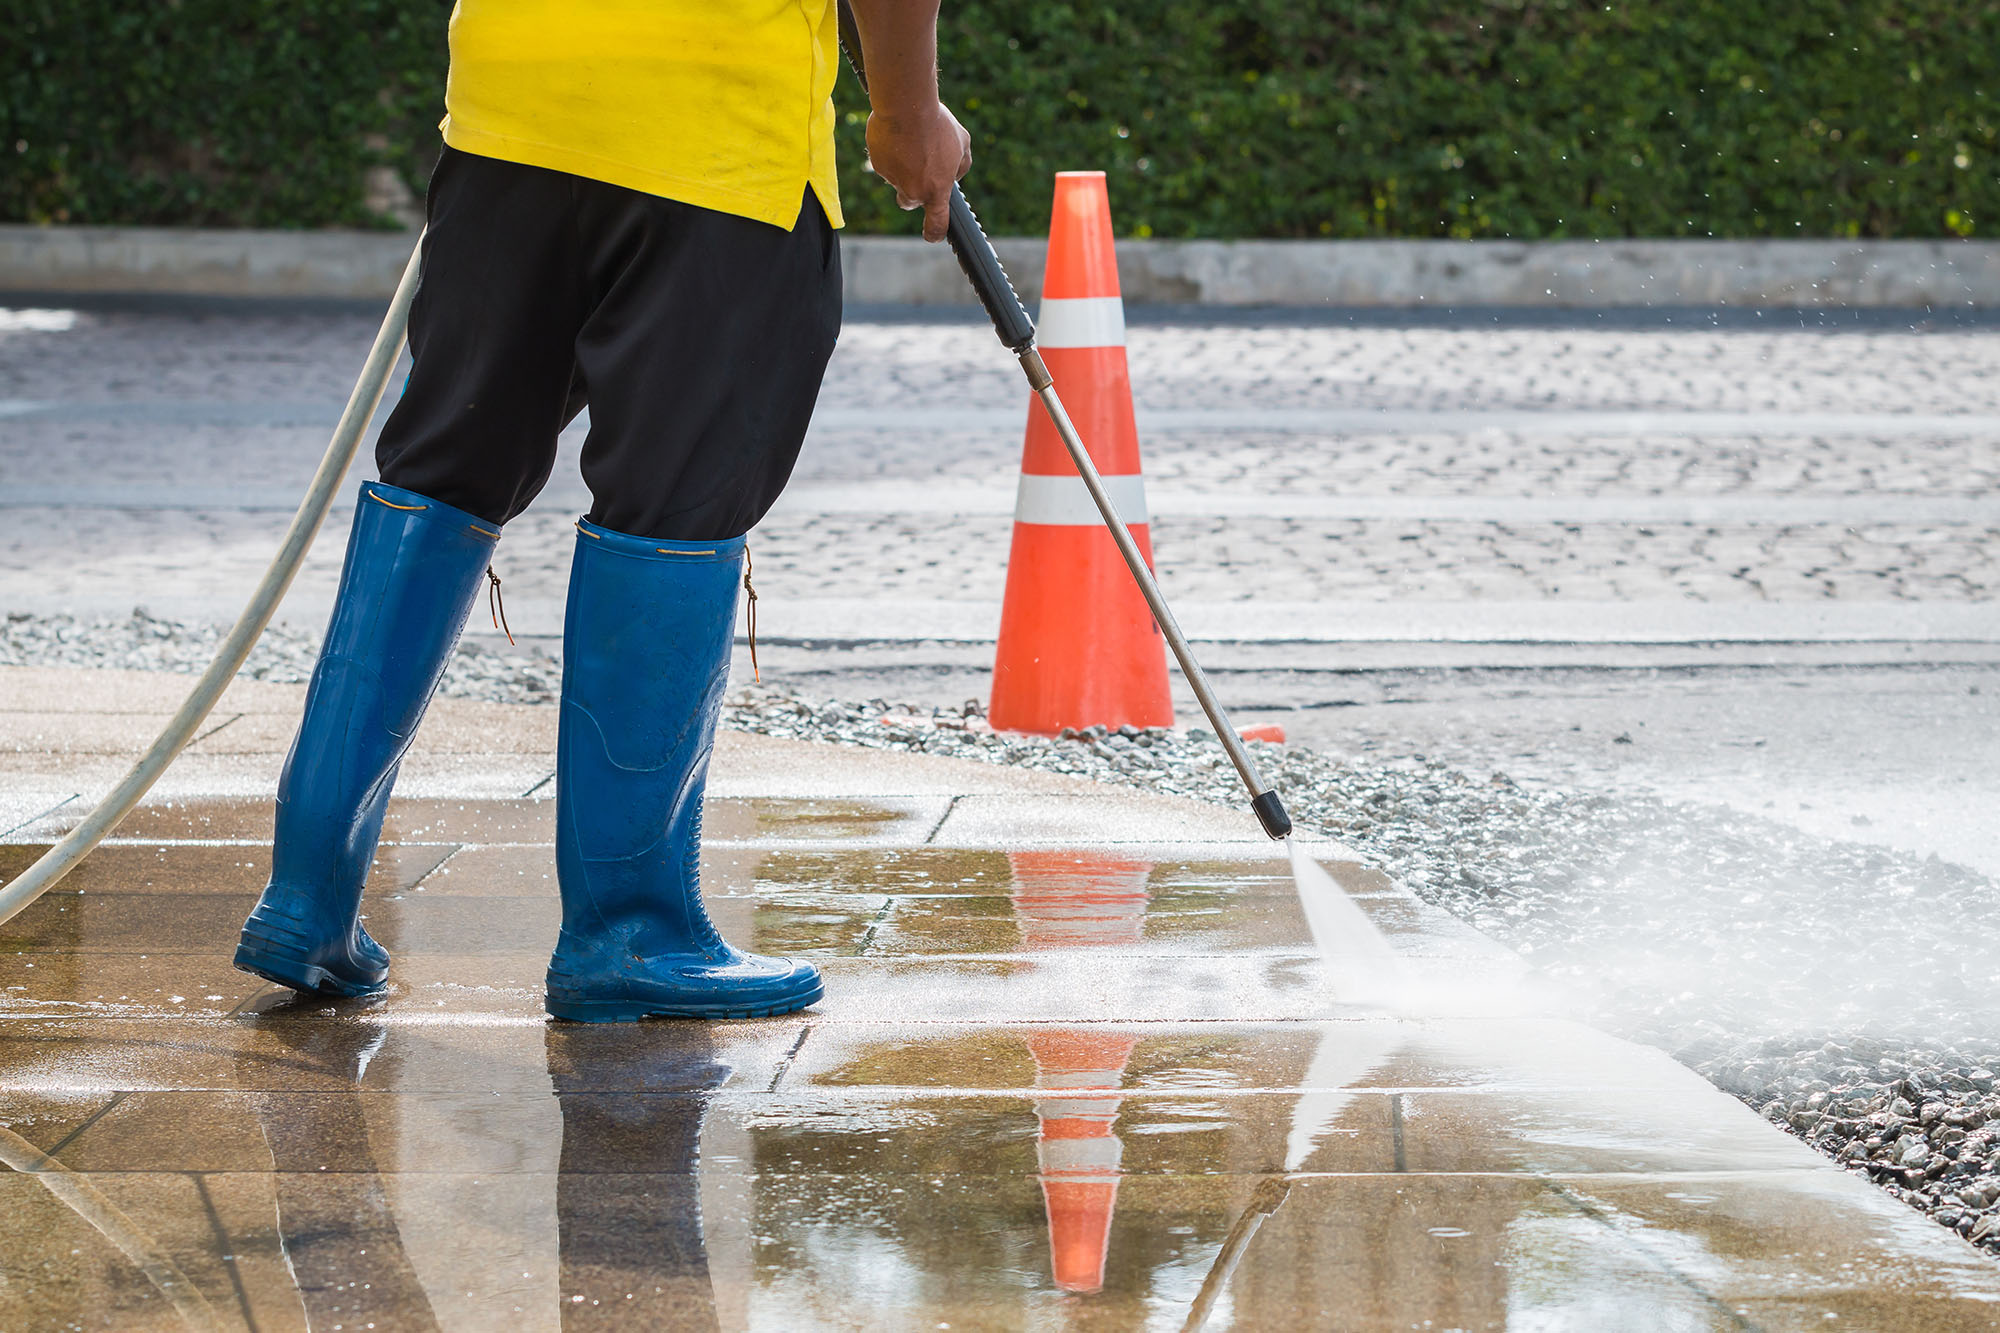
(1065, 501)
(1081, 321)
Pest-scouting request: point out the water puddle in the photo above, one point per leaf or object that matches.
(990, 1124)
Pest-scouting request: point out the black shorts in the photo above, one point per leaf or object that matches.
(697, 339)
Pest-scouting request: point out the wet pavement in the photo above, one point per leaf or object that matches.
(1079, 1066)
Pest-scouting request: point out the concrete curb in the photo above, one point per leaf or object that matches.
(900, 270)
(159, 261)
(1588, 274)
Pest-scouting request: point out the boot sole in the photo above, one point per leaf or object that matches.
(299, 975)
(631, 1011)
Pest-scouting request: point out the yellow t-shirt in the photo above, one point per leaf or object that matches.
(725, 104)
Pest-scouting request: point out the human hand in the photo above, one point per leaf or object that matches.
(922, 157)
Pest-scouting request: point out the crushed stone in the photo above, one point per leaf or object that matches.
(285, 654)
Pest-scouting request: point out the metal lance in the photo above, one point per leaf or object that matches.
(1016, 330)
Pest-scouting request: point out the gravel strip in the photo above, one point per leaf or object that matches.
(144, 642)
(1848, 992)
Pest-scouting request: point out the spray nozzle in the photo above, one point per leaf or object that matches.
(1271, 814)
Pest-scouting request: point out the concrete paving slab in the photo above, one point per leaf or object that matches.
(26, 807)
(45, 1119)
(110, 690)
(468, 729)
(993, 1134)
(71, 733)
(127, 985)
(938, 872)
(881, 822)
(749, 765)
(885, 821)
(417, 820)
(1055, 1078)
(203, 869)
(1780, 1245)
(185, 897)
(208, 1242)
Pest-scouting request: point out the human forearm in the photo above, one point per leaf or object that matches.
(914, 143)
(899, 49)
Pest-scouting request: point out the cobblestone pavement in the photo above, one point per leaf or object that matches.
(1237, 559)
(310, 356)
(800, 557)
(158, 451)
(1299, 365)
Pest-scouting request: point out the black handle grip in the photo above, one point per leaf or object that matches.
(982, 269)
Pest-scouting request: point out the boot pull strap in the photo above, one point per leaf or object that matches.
(497, 605)
(755, 674)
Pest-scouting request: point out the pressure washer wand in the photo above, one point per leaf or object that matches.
(982, 268)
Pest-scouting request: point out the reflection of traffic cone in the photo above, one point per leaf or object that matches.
(1077, 1152)
(1072, 900)
(1078, 647)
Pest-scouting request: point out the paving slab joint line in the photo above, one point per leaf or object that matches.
(36, 819)
(226, 722)
(445, 860)
(785, 1065)
(950, 806)
(882, 914)
(95, 1116)
(257, 993)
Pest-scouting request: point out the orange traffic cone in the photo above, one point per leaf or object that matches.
(1076, 1150)
(1078, 646)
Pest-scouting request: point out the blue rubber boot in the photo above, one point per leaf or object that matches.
(413, 567)
(646, 641)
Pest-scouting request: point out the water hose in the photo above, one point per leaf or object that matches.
(1016, 330)
(95, 827)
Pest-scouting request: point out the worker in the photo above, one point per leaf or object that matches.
(635, 209)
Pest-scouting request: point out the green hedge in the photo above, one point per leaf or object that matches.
(1523, 118)
(250, 113)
